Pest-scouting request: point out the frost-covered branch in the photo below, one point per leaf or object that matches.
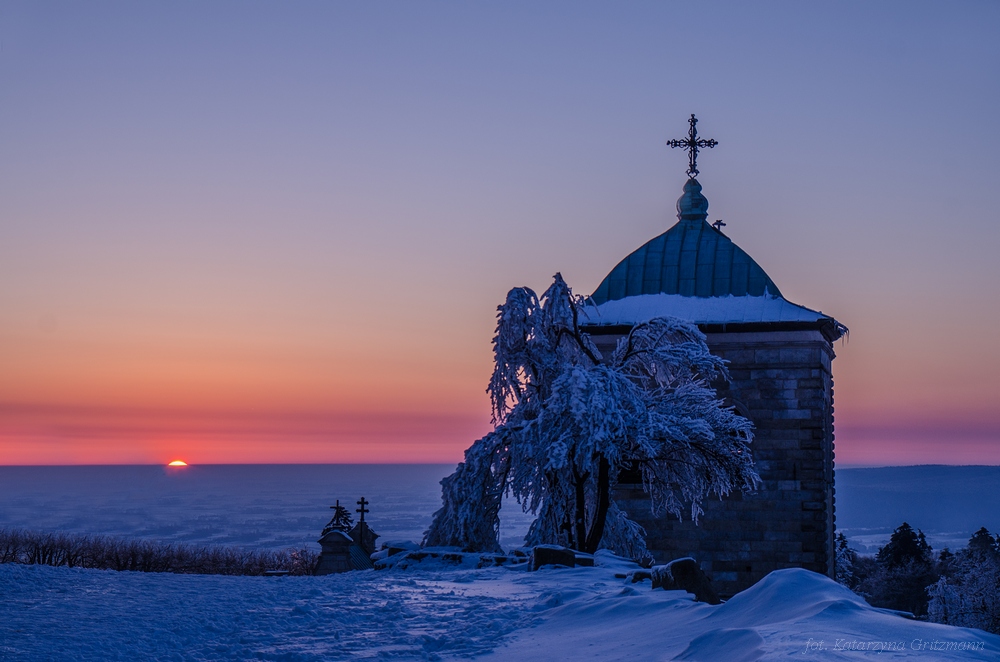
(568, 423)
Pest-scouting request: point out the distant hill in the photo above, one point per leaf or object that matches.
(948, 503)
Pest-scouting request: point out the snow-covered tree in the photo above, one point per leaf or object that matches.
(845, 561)
(568, 422)
(969, 594)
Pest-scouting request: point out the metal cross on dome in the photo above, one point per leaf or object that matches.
(692, 144)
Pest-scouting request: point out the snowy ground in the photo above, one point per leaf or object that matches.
(490, 614)
(497, 614)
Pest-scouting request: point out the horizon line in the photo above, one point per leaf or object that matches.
(418, 464)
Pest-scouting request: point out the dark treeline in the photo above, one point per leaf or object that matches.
(110, 553)
(961, 588)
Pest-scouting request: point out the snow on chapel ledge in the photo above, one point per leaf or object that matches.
(700, 310)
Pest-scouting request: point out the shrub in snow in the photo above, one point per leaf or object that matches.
(107, 553)
(969, 594)
(568, 422)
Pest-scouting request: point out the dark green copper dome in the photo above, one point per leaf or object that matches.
(691, 259)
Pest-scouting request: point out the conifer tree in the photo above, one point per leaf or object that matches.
(845, 561)
(341, 520)
(905, 546)
(904, 568)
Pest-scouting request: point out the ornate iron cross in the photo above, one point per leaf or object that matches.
(362, 509)
(692, 144)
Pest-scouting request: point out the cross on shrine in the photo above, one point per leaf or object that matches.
(362, 509)
(719, 224)
(692, 144)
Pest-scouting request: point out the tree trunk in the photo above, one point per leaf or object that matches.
(581, 510)
(603, 502)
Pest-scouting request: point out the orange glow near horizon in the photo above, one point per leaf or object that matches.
(177, 463)
(109, 435)
(93, 435)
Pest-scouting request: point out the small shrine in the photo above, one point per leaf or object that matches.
(779, 356)
(346, 546)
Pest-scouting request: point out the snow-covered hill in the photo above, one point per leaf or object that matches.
(435, 613)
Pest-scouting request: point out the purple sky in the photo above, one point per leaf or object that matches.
(305, 214)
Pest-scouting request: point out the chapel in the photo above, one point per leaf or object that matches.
(780, 356)
(346, 546)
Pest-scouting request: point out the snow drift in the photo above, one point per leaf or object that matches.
(431, 613)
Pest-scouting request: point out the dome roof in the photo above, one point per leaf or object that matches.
(691, 259)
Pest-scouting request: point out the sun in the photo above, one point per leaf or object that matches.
(178, 463)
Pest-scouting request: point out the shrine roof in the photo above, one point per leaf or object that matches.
(334, 534)
(693, 271)
(360, 559)
(690, 259)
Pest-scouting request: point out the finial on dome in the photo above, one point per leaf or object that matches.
(692, 205)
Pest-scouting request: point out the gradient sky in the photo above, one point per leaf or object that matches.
(278, 232)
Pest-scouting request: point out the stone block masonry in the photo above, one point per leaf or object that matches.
(782, 381)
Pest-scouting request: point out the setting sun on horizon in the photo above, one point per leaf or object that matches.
(177, 463)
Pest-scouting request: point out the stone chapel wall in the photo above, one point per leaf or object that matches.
(783, 381)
